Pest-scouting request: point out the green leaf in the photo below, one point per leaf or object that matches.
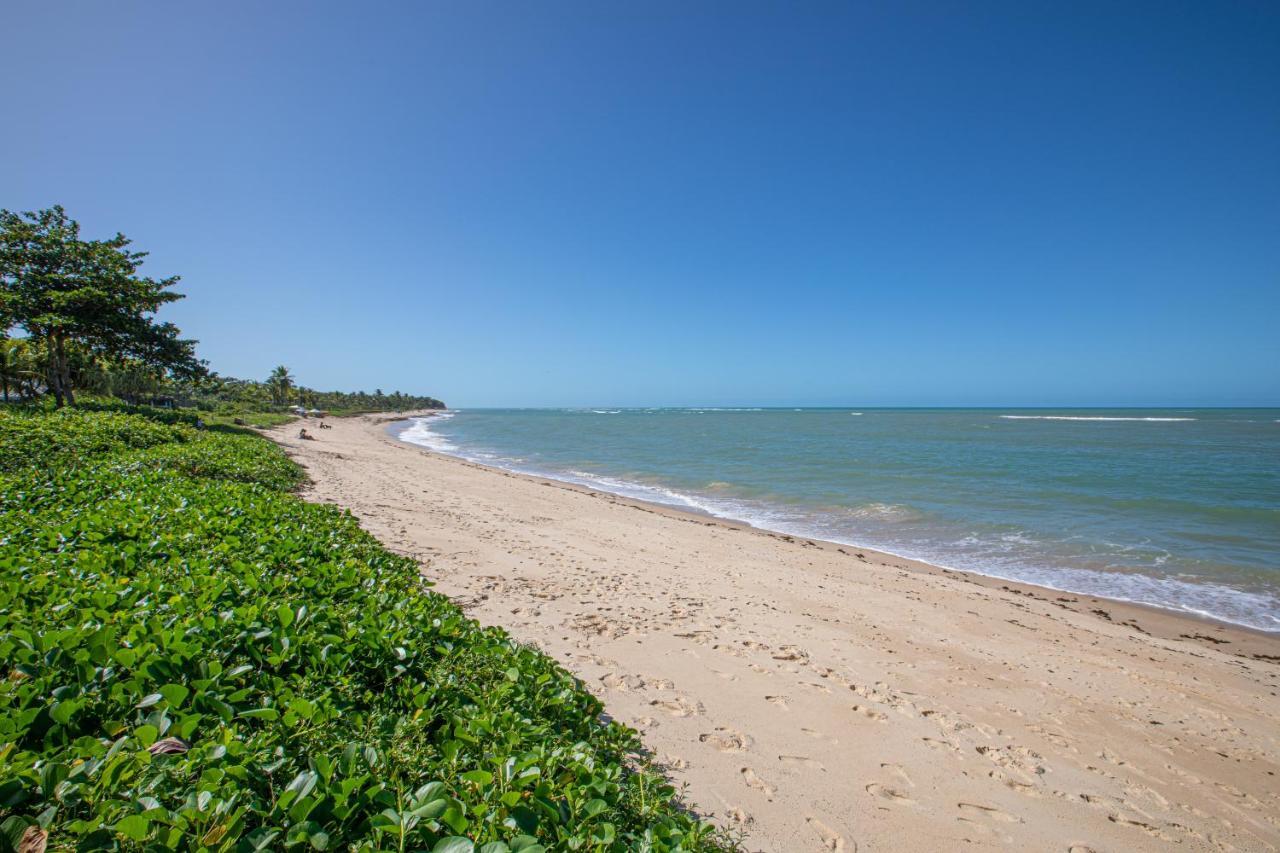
(478, 777)
(453, 844)
(134, 827)
(304, 709)
(454, 819)
(175, 694)
(261, 714)
(513, 674)
(525, 844)
(603, 834)
(261, 838)
(431, 809)
(304, 783)
(146, 735)
(149, 700)
(62, 712)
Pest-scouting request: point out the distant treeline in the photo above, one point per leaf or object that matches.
(85, 320)
(280, 391)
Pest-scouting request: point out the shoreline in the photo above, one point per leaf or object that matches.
(1163, 622)
(806, 706)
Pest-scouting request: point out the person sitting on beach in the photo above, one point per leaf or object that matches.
(303, 434)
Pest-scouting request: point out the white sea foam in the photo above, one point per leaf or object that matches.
(639, 491)
(419, 432)
(1082, 418)
(883, 512)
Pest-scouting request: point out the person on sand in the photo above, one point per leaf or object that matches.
(303, 434)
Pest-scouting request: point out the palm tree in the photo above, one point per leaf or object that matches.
(280, 383)
(16, 367)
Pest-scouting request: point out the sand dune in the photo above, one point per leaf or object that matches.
(828, 698)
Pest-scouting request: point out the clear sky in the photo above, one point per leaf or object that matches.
(893, 203)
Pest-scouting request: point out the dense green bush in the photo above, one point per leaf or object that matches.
(33, 438)
(199, 660)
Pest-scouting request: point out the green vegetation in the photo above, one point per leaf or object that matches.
(196, 659)
(258, 420)
(199, 660)
(88, 323)
(280, 385)
(280, 392)
(74, 297)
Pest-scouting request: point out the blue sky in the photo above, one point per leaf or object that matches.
(686, 203)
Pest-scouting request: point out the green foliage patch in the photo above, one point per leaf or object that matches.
(198, 660)
(37, 439)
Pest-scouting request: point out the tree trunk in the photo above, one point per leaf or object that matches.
(64, 379)
(51, 379)
(59, 372)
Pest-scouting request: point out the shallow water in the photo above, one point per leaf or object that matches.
(1178, 508)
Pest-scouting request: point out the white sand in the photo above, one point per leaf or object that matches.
(821, 700)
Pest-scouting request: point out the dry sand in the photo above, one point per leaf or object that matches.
(822, 697)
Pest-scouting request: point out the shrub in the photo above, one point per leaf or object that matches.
(199, 660)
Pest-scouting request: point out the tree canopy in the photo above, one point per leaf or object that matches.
(280, 383)
(66, 292)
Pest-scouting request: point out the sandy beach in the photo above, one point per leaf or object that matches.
(824, 697)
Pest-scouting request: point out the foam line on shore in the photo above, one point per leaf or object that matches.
(1210, 600)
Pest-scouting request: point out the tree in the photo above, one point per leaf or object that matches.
(66, 292)
(280, 383)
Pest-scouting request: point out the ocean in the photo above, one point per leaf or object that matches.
(1178, 508)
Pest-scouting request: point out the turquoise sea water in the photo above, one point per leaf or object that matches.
(1176, 508)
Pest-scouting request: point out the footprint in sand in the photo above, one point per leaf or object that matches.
(870, 713)
(897, 772)
(794, 653)
(802, 761)
(975, 810)
(831, 840)
(678, 706)
(940, 745)
(822, 688)
(889, 795)
(620, 681)
(755, 782)
(1024, 788)
(726, 739)
(817, 735)
(780, 701)
(737, 814)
